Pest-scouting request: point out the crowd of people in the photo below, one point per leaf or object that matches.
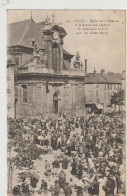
(88, 155)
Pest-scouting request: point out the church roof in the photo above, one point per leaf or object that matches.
(67, 53)
(98, 78)
(23, 32)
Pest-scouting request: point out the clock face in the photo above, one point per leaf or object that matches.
(55, 35)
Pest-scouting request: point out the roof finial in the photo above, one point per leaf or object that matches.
(53, 19)
(47, 20)
(31, 14)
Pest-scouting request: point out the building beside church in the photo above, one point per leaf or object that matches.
(45, 83)
(98, 90)
(10, 87)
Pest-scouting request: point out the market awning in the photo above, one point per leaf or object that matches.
(99, 106)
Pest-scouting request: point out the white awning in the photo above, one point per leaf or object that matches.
(99, 106)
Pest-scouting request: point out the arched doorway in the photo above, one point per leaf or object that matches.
(55, 102)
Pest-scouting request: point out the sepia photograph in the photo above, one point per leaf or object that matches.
(66, 102)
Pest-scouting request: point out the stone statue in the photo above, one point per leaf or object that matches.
(77, 56)
(36, 49)
(44, 58)
(77, 64)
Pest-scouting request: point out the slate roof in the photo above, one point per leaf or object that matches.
(67, 53)
(21, 33)
(98, 78)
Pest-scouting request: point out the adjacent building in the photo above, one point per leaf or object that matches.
(98, 90)
(10, 88)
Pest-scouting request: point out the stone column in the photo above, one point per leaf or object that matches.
(73, 97)
(49, 54)
(58, 59)
(61, 57)
(44, 98)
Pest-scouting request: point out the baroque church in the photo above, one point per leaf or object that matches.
(45, 81)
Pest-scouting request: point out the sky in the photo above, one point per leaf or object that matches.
(102, 51)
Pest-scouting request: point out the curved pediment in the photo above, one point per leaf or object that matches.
(59, 29)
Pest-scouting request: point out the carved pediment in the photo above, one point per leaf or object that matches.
(60, 30)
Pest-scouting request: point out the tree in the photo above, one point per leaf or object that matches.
(22, 152)
(118, 98)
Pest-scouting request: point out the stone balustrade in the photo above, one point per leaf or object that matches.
(43, 69)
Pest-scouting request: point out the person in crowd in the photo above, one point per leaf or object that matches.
(109, 186)
(64, 163)
(57, 188)
(79, 191)
(47, 167)
(62, 179)
(67, 189)
(16, 190)
(91, 147)
(56, 166)
(43, 185)
(74, 167)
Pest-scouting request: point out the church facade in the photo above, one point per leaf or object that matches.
(45, 81)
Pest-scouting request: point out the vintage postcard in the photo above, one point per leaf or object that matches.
(66, 82)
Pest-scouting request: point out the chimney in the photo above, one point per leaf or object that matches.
(102, 71)
(94, 70)
(85, 66)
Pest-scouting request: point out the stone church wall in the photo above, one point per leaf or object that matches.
(71, 100)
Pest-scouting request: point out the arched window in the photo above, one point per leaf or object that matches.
(24, 93)
(55, 103)
(55, 56)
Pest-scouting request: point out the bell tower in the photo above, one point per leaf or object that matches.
(53, 37)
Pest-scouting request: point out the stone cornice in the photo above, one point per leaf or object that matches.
(43, 75)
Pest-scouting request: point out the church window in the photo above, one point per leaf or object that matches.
(97, 93)
(24, 93)
(54, 57)
(98, 101)
(105, 96)
(17, 61)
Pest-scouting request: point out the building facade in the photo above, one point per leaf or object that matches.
(45, 83)
(10, 88)
(41, 79)
(98, 90)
